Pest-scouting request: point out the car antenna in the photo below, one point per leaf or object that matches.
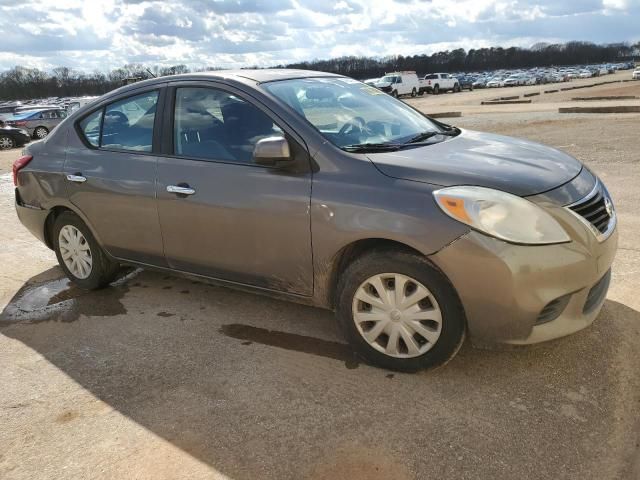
(151, 73)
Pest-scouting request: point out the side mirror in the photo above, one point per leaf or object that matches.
(272, 152)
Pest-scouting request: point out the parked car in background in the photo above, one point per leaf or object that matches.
(38, 123)
(397, 84)
(466, 82)
(480, 82)
(11, 137)
(512, 81)
(9, 109)
(439, 82)
(415, 232)
(496, 82)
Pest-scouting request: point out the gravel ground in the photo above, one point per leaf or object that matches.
(159, 377)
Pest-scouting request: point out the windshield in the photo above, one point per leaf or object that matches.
(348, 112)
(389, 79)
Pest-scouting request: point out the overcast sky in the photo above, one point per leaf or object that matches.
(102, 34)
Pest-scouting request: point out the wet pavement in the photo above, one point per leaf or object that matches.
(162, 377)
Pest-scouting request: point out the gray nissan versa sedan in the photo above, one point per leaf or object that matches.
(322, 190)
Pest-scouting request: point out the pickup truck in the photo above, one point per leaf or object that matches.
(438, 82)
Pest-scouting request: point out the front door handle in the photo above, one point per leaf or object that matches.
(180, 190)
(76, 178)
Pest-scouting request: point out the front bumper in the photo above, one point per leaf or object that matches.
(505, 287)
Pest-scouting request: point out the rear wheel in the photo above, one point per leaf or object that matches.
(79, 255)
(399, 312)
(40, 132)
(456, 88)
(6, 142)
(436, 89)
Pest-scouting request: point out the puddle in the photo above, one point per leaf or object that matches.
(291, 341)
(60, 300)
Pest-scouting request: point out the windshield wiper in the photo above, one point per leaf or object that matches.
(372, 147)
(421, 137)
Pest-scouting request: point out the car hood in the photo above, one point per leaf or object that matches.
(382, 84)
(509, 164)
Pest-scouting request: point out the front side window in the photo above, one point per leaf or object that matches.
(348, 112)
(128, 123)
(212, 124)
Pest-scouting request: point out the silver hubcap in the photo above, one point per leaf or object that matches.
(75, 251)
(41, 133)
(397, 315)
(6, 142)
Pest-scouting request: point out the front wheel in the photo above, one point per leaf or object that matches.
(394, 94)
(413, 92)
(82, 259)
(399, 312)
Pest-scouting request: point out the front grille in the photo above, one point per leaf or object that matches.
(597, 293)
(594, 210)
(553, 309)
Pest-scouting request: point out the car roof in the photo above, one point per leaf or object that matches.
(28, 113)
(242, 76)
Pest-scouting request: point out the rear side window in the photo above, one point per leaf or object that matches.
(128, 123)
(90, 127)
(212, 124)
(433, 76)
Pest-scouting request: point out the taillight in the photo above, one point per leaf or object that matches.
(18, 165)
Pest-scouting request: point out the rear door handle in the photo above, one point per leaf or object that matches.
(76, 178)
(180, 190)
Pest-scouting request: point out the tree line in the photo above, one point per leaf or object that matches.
(25, 83)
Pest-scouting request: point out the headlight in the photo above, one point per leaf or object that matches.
(501, 215)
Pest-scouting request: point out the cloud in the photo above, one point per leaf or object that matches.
(228, 34)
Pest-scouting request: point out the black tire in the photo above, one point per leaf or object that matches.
(413, 92)
(103, 270)
(417, 267)
(40, 132)
(7, 142)
(394, 94)
(456, 88)
(436, 89)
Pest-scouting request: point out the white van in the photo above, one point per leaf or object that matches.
(399, 83)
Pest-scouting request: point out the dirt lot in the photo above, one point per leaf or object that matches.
(162, 378)
(469, 103)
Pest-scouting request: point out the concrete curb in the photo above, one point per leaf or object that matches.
(444, 114)
(613, 97)
(612, 109)
(504, 102)
(533, 94)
